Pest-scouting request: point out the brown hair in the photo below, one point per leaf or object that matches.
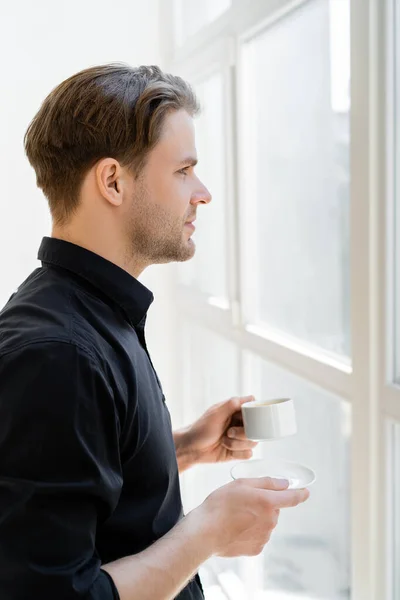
(112, 111)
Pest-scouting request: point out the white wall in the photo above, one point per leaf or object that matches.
(42, 43)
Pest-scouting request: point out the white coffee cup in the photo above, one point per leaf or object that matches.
(269, 419)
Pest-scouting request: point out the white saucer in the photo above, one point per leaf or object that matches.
(299, 476)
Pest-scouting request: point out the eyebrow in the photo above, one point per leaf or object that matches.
(189, 161)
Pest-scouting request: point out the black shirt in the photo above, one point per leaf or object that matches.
(88, 470)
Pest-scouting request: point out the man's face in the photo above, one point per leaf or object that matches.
(167, 195)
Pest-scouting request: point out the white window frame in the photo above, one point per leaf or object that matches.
(368, 382)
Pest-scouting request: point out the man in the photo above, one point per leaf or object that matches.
(90, 504)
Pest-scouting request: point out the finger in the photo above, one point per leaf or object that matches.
(288, 498)
(236, 433)
(234, 405)
(245, 399)
(267, 483)
(236, 445)
(242, 455)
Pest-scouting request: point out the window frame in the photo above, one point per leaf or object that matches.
(368, 383)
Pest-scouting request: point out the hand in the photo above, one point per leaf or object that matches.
(241, 516)
(218, 435)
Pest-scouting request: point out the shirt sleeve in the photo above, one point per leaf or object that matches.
(59, 473)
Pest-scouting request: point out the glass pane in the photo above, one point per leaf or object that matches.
(192, 15)
(210, 375)
(394, 515)
(295, 123)
(207, 270)
(396, 248)
(308, 556)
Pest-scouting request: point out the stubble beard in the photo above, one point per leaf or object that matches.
(155, 235)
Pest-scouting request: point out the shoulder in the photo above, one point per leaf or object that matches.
(55, 382)
(49, 362)
(37, 311)
(44, 311)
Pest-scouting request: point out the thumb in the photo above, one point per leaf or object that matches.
(234, 404)
(246, 399)
(267, 483)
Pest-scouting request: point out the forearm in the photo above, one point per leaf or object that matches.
(185, 456)
(161, 571)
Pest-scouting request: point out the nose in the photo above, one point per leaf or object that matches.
(201, 195)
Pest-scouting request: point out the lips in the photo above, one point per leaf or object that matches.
(191, 220)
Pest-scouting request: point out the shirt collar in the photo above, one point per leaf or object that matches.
(133, 297)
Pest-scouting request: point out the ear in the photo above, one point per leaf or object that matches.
(109, 180)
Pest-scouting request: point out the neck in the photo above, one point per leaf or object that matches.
(110, 247)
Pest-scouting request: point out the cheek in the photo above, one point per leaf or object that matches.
(171, 194)
(178, 195)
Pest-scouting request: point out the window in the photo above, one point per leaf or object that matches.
(295, 155)
(308, 196)
(394, 517)
(391, 391)
(207, 271)
(210, 373)
(308, 555)
(191, 16)
(396, 176)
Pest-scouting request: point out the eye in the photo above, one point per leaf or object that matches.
(184, 171)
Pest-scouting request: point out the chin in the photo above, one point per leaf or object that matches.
(182, 254)
(187, 251)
